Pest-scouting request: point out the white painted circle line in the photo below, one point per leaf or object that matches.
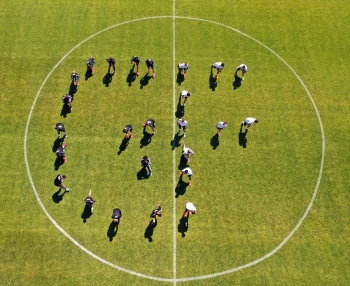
(174, 280)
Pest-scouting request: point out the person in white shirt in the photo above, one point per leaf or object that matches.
(188, 172)
(190, 209)
(219, 67)
(221, 125)
(248, 122)
(242, 68)
(187, 152)
(182, 124)
(183, 67)
(185, 94)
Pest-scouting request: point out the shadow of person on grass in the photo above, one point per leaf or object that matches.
(212, 81)
(142, 174)
(183, 226)
(88, 74)
(123, 145)
(131, 77)
(183, 163)
(146, 139)
(112, 230)
(180, 110)
(242, 139)
(214, 141)
(58, 163)
(180, 188)
(150, 229)
(180, 77)
(57, 143)
(237, 81)
(176, 141)
(65, 110)
(87, 213)
(57, 197)
(145, 80)
(72, 89)
(107, 79)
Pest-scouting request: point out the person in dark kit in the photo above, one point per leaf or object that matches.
(67, 100)
(111, 63)
(75, 77)
(135, 60)
(61, 154)
(89, 201)
(151, 123)
(58, 182)
(146, 163)
(60, 128)
(116, 215)
(126, 130)
(156, 212)
(90, 64)
(150, 66)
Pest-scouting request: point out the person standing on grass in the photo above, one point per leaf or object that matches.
(146, 163)
(116, 215)
(75, 77)
(135, 60)
(220, 126)
(151, 123)
(219, 67)
(67, 100)
(60, 128)
(89, 201)
(111, 63)
(183, 67)
(90, 64)
(189, 209)
(182, 124)
(58, 182)
(185, 94)
(150, 66)
(126, 130)
(187, 171)
(248, 122)
(61, 154)
(187, 152)
(156, 212)
(242, 68)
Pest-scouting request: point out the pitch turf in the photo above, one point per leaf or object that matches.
(249, 194)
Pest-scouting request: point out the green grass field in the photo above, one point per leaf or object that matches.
(251, 200)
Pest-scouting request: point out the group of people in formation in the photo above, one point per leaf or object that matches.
(145, 160)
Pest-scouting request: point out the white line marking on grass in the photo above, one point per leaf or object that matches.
(174, 153)
(174, 280)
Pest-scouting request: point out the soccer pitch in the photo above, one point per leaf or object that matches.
(271, 204)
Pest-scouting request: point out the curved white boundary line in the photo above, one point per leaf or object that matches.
(188, 278)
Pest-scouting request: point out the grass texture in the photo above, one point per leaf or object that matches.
(250, 191)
